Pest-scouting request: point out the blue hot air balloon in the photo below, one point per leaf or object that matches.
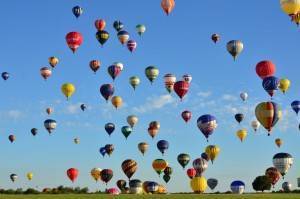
(109, 128)
(107, 91)
(237, 187)
(271, 84)
(77, 11)
(5, 75)
(296, 106)
(102, 150)
(162, 146)
(207, 124)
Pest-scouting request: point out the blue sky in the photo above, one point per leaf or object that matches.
(178, 44)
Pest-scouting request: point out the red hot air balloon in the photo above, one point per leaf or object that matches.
(72, 174)
(186, 115)
(181, 88)
(191, 173)
(265, 69)
(74, 40)
(100, 24)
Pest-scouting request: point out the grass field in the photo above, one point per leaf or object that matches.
(176, 196)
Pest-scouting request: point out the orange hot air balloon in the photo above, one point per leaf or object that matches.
(49, 111)
(95, 65)
(278, 142)
(167, 6)
(152, 132)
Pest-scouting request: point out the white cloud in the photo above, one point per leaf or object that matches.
(229, 97)
(73, 108)
(14, 114)
(204, 94)
(155, 102)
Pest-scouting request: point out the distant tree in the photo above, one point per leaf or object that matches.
(261, 183)
(31, 191)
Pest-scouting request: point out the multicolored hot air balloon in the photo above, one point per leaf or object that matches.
(114, 71)
(198, 184)
(13, 177)
(212, 183)
(106, 175)
(186, 115)
(151, 73)
(113, 191)
(296, 106)
(95, 65)
(131, 45)
(100, 24)
(212, 152)
(77, 11)
(237, 187)
(283, 162)
(200, 165)
(167, 5)
(153, 131)
(140, 29)
(159, 165)
(96, 174)
(102, 36)
(53, 61)
(278, 142)
(143, 147)
(49, 110)
(107, 91)
(5, 75)
(121, 184)
(11, 138)
(134, 81)
(241, 134)
(284, 85)
(287, 186)
(169, 80)
(136, 186)
(68, 90)
(181, 88)
(74, 40)
(268, 114)
(123, 36)
(215, 37)
(187, 78)
(109, 128)
(118, 25)
(162, 146)
(191, 173)
(271, 84)
(45, 72)
(109, 149)
(72, 174)
(273, 174)
(50, 125)
(207, 124)
(265, 69)
(183, 159)
(129, 167)
(235, 47)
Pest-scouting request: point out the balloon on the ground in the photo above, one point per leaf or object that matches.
(287, 186)
(273, 174)
(237, 187)
(212, 183)
(198, 184)
(135, 186)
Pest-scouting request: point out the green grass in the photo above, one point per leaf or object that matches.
(174, 196)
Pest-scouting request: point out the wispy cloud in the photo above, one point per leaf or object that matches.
(204, 94)
(154, 103)
(73, 108)
(229, 97)
(14, 114)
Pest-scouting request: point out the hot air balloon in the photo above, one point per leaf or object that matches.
(284, 85)
(255, 125)
(121, 184)
(244, 96)
(265, 69)
(83, 107)
(241, 134)
(153, 131)
(34, 131)
(49, 110)
(29, 176)
(205, 156)
(50, 125)
(100, 24)
(140, 29)
(76, 140)
(167, 6)
(113, 191)
(207, 124)
(102, 36)
(74, 40)
(162, 146)
(215, 37)
(113, 71)
(11, 138)
(109, 128)
(132, 120)
(45, 72)
(134, 81)
(271, 84)
(106, 175)
(102, 150)
(278, 142)
(237, 187)
(183, 159)
(296, 19)
(235, 47)
(123, 36)
(268, 114)
(5, 75)
(187, 78)
(126, 131)
(95, 65)
(95, 173)
(143, 147)
(186, 115)
(166, 178)
(191, 173)
(53, 61)
(68, 90)
(136, 186)
(159, 165)
(72, 173)
(239, 117)
(109, 149)
(118, 25)
(119, 65)
(129, 167)
(273, 174)
(181, 88)
(13, 177)
(151, 187)
(131, 45)
(77, 11)
(212, 152)
(151, 73)
(296, 106)
(212, 183)
(198, 184)
(116, 101)
(283, 162)
(290, 7)
(287, 186)
(169, 80)
(154, 124)
(168, 171)
(200, 165)
(107, 90)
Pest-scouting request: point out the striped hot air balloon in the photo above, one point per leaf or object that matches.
(129, 167)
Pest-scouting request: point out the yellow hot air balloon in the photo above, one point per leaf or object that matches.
(284, 85)
(241, 134)
(53, 61)
(116, 101)
(212, 151)
(134, 81)
(290, 7)
(29, 176)
(96, 173)
(278, 142)
(68, 89)
(296, 19)
(198, 184)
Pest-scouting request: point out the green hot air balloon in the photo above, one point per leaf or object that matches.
(126, 130)
(183, 159)
(140, 28)
(134, 81)
(151, 73)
